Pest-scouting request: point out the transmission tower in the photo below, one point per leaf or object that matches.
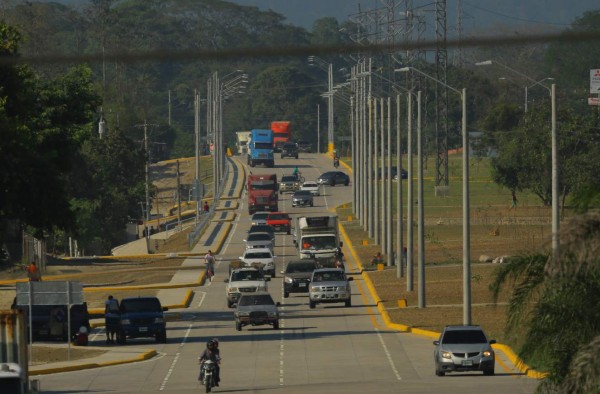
(441, 95)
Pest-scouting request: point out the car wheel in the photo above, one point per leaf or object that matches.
(229, 303)
(286, 294)
(346, 183)
(440, 373)
(238, 326)
(161, 338)
(488, 372)
(289, 231)
(276, 325)
(121, 338)
(273, 274)
(312, 304)
(348, 303)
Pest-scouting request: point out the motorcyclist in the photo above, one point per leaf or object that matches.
(211, 353)
(296, 173)
(336, 159)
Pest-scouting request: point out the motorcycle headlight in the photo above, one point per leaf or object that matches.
(447, 355)
(287, 279)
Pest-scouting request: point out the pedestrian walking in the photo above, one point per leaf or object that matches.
(33, 272)
(111, 318)
(210, 265)
(514, 200)
(205, 207)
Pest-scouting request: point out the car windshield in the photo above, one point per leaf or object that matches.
(325, 276)
(289, 146)
(263, 145)
(288, 178)
(261, 229)
(259, 237)
(300, 267)
(463, 336)
(141, 305)
(245, 275)
(323, 242)
(263, 299)
(301, 193)
(327, 175)
(258, 255)
(259, 216)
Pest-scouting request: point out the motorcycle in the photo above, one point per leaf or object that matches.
(336, 162)
(207, 371)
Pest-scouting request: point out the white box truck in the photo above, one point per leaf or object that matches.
(317, 237)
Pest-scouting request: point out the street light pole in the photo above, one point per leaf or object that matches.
(466, 203)
(315, 60)
(554, 143)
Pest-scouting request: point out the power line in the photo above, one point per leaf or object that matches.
(264, 52)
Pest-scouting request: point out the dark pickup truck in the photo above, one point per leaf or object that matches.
(142, 317)
(50, 322)
(289, 149)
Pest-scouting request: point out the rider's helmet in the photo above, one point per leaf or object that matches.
(210, 345)
(215, 342)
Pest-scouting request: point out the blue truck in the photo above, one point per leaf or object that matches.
(260, 148)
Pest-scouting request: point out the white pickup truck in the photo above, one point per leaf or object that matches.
(244, 280)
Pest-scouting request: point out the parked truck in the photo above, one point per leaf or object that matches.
(241, 142)
(317, 237)
(282, 133)
(260, 148)
(262, 193)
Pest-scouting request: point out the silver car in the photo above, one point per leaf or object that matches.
(463, 348)
(302, 198)
(329, 285)
(260, 217)
(259, 240)
(256, 309)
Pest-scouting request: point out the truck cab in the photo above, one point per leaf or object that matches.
(262, 193)
(317, 237)
(260, 148)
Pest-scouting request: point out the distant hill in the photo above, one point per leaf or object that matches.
(476, 13)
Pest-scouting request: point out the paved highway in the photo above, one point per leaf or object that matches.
(330, 349)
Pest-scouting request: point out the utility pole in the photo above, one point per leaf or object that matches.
(147, 178)
(178, 196)
(169, 120)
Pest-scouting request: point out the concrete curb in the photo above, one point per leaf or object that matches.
(519, 364)
(77, 367)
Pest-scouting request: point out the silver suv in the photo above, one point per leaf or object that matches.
(329, 285)
(463, 348)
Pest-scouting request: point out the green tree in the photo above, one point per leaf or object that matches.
(555, 304)
(524, 158)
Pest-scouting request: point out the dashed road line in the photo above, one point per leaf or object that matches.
(172, 367)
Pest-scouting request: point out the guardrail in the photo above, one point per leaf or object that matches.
(202, 224)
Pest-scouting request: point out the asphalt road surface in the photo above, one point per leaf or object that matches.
(330, 349)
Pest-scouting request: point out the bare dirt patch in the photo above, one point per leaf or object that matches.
(51, 354)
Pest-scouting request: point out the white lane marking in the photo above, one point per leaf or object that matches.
(172, 367)
(389, 356)
(201, 299)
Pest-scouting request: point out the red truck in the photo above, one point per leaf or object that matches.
(280, 221)
(262, 193)
(282, 133)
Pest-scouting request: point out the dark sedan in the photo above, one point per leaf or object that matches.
(333, 178)
(302, 198)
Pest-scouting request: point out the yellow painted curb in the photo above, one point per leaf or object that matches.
(430, 334)
(78, 367)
